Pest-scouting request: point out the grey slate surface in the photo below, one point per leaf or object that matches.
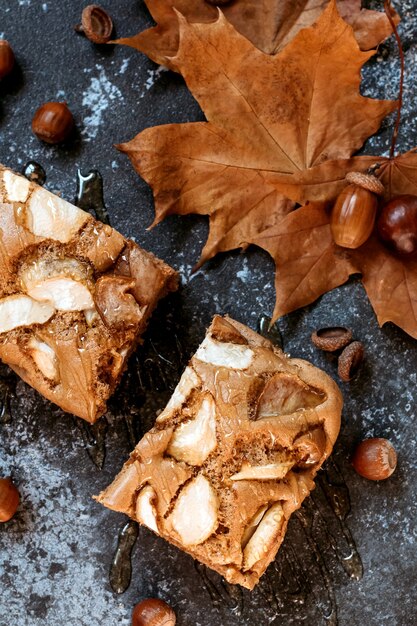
(56, 554)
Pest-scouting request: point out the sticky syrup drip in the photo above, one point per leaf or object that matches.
(272, 333)
(90, 195)
(94, 438)
(7, 391)
(121, 567)
(34, 172)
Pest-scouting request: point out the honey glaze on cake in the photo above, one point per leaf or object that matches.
(75, 296)
(233, 454)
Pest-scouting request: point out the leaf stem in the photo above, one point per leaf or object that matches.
(387, 8)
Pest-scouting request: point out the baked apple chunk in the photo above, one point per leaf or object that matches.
(233, 454)
(75, 296)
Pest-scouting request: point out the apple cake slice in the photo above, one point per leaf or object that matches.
(75, 296)
(233, 454)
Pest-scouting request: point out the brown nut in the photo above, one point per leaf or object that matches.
(153, 612)
(7, 59)
(332, 338)
(53, 122)
(96, 24)
(350, 360)
(116, 306)
(9, 499)
(218, 3)
(375, 459)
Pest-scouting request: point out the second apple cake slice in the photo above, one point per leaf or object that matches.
(75, 296)
(233, 454)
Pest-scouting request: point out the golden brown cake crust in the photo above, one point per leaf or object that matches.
(75, 296)
(233, 454)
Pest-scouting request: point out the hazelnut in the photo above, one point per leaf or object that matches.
(6, 58)
(153, 612)
(9, 499)
(96, 24)
(53, 122)
(375, 459)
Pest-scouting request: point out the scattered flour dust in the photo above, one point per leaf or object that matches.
(97, 98)
(244, 274)
(153, 76)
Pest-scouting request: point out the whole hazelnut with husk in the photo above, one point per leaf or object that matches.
(53, 122)
(96, 24)
(7, 59)
(354, 212)
(375, 459)
(153, 612)
(9, 499)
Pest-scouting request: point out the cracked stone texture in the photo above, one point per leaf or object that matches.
(56, 553)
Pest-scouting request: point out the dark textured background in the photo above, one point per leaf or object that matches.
(56, 553)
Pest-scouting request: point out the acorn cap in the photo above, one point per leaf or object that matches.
(367, 181)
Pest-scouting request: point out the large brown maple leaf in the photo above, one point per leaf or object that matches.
(267, 116)
(280, 130)
(268, 24)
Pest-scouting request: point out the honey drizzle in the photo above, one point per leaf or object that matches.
(121, 567)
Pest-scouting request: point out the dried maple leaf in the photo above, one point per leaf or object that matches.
(309, 263)
(267, 116)
(268, 24)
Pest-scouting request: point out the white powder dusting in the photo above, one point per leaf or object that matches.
(97, 98)
(153, 76)
(244, 274)
(124, 66)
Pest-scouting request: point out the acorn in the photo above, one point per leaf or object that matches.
(354, 212)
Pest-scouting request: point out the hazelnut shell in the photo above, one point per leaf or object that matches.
(9, 499)
(7, 59)
(375, 459)
(153, 612)
(53, 122)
